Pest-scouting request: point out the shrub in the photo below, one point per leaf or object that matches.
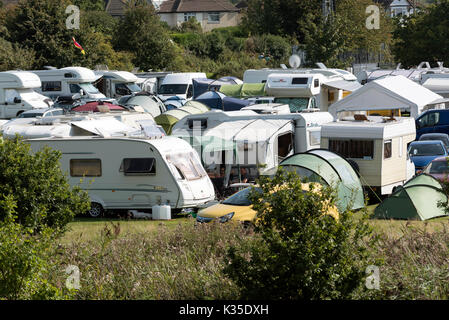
(37, 186)
(24, 259)
(303, 253)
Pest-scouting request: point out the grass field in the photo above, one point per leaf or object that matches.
(86, 229)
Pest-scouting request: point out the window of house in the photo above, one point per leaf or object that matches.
(51, 85)
(85, 167)
(387, 149)
(356, 149)
(213, 17)
(138, 166)
(189, 15)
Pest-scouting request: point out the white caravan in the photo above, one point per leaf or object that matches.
(115, 84)
(230, 141)
(17, 93)
(69, 81)
(378, 145)
(133, 173)
(93, 124)
(179, 85)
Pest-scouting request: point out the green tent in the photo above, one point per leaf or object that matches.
(418, 199)
(244, 90)
(169, 118)
(328, 168)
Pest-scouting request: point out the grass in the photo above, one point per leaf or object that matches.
(88, 229)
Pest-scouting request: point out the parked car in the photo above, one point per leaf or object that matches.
(423, 152)
(432, 121)
(43, 112)
(438, 168)
(239, 208)
(443, 137)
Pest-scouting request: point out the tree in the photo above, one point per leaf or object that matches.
(303, 252)
(14, 57)
(141, 33)
(423, 36)
(40, 192)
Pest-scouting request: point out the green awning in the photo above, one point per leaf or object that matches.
(244, 90)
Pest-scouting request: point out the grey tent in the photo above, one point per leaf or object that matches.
(421, 198)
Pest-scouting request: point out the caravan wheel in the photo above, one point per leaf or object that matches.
(96, 210)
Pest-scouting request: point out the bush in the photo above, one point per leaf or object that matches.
(23, 259)
(277, 47)
(36, 184)
(303, 253)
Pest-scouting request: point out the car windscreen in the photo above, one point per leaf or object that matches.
(241, 198)
(30, 115)
(173, 89)
(133, 87)
(88, 87)
(426, 150)
(438, 167)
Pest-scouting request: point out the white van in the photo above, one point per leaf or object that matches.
(17, 93)
(115, 84)
(69, 81)
(179, 84)
(133, 173)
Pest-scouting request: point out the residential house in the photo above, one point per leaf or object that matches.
(210, 14)
(399, 7)
(117, 8)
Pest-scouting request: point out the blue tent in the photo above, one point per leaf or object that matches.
(201, 86)
(234, 104)
(217, 100)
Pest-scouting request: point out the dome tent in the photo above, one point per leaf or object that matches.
(328, 168)
(418, 199)
(217, 100)
(169, 118)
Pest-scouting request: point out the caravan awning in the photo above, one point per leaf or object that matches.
(344, 85)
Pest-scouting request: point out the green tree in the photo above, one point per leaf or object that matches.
(141, 33)
(14, 57)
(40, 191)
(192, 25)
(423, 36)
(302, 252)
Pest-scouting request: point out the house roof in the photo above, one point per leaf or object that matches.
(172, 6)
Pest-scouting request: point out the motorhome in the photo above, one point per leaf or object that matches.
(151, 81)
(179, 85)
(261, 75)
(229, 142)
(115, 84)
(378, 147)
(17, 93)
(69, 81)
(132, 173)
(308, 90)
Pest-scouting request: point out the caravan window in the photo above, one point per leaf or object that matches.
(300, 80)
(138, 166)
(85, 167)
(285, 144)
(173, 89)
(197, 123)
(387, 149)
(356, 149)
(187, 166)
(295, 104)
(51, 86)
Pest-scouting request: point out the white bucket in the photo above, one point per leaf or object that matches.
(165, 212)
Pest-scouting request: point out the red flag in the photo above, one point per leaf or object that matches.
(78, 46)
